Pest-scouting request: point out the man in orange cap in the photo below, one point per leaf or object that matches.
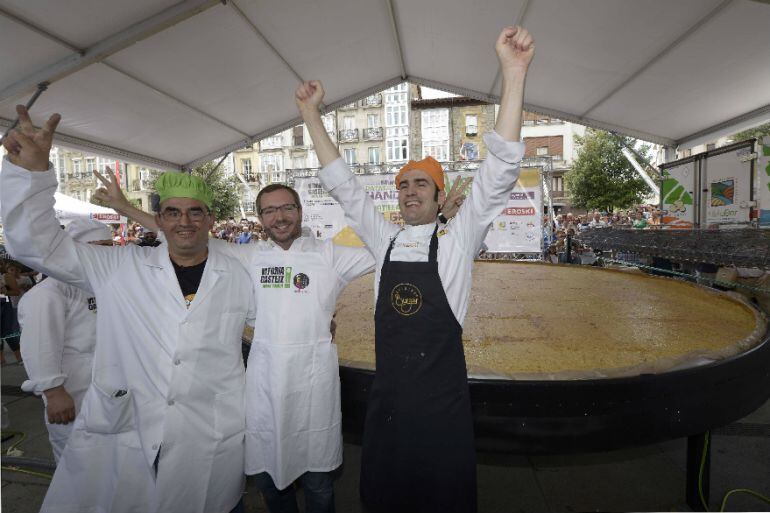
(418, 448)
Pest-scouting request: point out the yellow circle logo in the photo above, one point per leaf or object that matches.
(406, 299)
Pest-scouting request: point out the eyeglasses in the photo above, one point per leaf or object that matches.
(286, 209)
(194, 214)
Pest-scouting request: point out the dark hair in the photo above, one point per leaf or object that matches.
(277, 187)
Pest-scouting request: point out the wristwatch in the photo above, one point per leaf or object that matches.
(442, 218)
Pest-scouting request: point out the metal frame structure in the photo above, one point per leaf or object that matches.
(102, 50)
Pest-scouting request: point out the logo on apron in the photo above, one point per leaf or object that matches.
(92, 304)
(301, 280)
(275, 277)
(406, 299)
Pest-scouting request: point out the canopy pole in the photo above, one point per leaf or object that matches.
(40, 88)
(208, 175)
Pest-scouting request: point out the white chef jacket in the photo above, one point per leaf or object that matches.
(459, 240)
(174, 381)
(58, 337)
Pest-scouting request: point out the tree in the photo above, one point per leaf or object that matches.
(226, 202)
(757, 132)
(601, 177)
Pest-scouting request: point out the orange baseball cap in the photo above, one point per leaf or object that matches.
(429, 165)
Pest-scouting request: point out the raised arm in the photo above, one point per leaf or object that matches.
(308, 98)
(515, 49)
(112, 196)
(360, 211)
(498, 173)
(32, 232)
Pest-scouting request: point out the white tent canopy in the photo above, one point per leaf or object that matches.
(172, 84)
(68, 208)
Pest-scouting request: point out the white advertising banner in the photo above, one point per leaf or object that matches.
(519, 227)
(763, 171)
(320, 213)
(676, 195)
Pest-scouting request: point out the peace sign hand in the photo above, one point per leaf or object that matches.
(455, 196)
(28, 147)
(110, 194)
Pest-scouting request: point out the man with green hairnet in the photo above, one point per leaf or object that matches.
(162, 425)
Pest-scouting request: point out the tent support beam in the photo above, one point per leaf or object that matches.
(291, 123)
(757, 116)
(109, 46)
(261, 36)
(396, 37)
(80, 51)
(104, 149)
(664, 141)
(40, 31)
(520, 20)
(175, 99)
(668, 49)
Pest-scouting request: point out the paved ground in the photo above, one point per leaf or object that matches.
(649, 478)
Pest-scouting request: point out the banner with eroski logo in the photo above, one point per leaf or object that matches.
(519, 227)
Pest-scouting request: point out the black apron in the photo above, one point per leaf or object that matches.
(418, 450)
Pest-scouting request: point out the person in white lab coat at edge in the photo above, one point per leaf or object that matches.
(162, 425)
(58, 337)
(418, 449)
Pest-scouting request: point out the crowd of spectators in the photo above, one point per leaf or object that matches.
(242, 232)
(565, 227)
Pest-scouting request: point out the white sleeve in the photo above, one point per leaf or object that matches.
(360, 210)
(34, 237)
(489, 193)
(350, 263)
(41, 317)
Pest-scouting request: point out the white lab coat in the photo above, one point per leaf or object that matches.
(293, 414)
(58, 337)
(164, 376)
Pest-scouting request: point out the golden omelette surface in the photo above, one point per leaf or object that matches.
(545, 321)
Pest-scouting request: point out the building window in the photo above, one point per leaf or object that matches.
(395, 115)
(372, 120)
(298, 162)
(350, 156)
(557, 184)
(298, 135)
(271, 162)
(90, 165)
(541, 151)
(469, 151)
(77, 166)
(374, 155)
(246, 166)
(471, 124)
(398, 149)
(328, 121)
(348, 123)
(277, 177)
(271, 142)
(312, 159)
(435, 134)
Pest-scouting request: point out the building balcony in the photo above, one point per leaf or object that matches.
(271, 143)
(348, 106)
(373, 134)
(374, 100)
(84, 178)
(349, 135)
